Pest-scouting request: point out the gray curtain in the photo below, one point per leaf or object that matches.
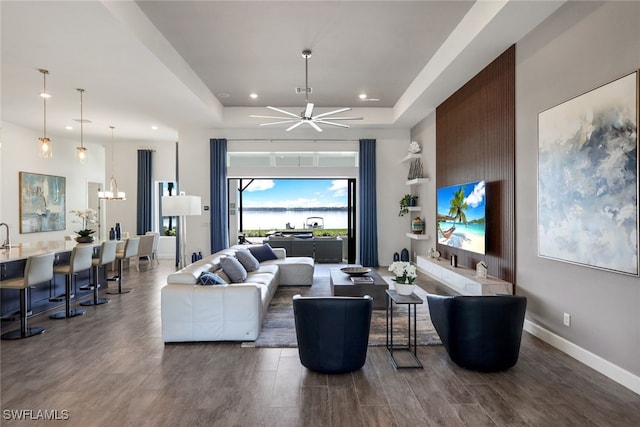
(367, 215)
(218, 194)
(145, 192)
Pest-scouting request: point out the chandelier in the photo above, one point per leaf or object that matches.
(114, 193)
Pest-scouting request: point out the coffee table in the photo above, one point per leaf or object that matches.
(342, 286)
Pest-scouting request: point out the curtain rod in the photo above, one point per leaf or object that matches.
(291, 140)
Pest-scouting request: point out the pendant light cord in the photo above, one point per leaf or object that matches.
(81, 120)
(44, 100)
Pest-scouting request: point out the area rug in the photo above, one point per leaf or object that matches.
(278, 326)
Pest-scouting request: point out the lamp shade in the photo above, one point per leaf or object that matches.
(181, 205)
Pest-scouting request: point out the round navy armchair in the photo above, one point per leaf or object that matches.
(482, 333)
(332, 332)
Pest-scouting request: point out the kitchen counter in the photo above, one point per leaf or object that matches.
(22, 251)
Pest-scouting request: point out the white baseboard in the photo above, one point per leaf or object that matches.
(616, 373)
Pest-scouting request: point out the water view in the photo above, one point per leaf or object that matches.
(271, 219)
(298, 204)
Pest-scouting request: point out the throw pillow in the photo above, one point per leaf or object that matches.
(208, 278)
(223, 275)
(248, 261)
(234, 269)
(263, 253)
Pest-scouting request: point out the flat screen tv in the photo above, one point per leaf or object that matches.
(461, 216)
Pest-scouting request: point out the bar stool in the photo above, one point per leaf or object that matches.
(39, 269)
(154, 247)
(80, 261)
(107, 255)
(130, 250)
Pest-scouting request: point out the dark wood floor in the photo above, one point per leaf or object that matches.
(111, 368)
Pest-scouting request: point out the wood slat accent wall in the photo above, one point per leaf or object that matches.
(475, 140)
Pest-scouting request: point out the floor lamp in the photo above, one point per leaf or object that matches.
(181, 206)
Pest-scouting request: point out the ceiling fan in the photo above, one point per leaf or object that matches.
(307, 116)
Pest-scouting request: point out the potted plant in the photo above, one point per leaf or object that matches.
(404, 275)
(85, 217)
(406, 201)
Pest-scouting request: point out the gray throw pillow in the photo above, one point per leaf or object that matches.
(234, 269)
(248, 261)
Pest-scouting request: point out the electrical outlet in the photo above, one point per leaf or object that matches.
(566, 319)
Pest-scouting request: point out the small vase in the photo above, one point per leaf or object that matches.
(417, 225)
(85, 239)
(404, 288)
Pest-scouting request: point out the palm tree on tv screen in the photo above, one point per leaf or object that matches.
(458, 206)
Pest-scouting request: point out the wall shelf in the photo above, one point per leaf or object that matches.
(414, 208)
(417, 236)
(417, 181)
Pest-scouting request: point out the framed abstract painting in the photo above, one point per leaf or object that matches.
(588, 178)
(42, 202)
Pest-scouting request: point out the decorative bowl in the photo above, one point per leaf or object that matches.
(355, 271)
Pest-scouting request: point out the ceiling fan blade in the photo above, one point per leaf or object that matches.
(295, 125)
(315, 126)
(277, 123)
(324, 122)
(270, 117)
(341, 110)
(283, 111)
(308, 112)
(339, 118)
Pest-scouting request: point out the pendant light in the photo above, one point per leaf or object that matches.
(81, 150)
(113, 193)
(46, 150)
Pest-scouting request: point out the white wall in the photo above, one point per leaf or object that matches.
(19, 153)
(125, 170)
(582, 46)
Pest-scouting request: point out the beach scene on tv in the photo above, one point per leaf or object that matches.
(461, 216)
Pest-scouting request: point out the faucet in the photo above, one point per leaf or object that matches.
(7, 242)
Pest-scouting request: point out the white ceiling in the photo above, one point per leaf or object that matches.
(166, 63)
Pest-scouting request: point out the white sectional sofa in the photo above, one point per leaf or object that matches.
(233, 312)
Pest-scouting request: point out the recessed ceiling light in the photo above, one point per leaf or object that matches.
(68, 127)
(223, 95)
(253, 95)
(154, 127)
(362, 96)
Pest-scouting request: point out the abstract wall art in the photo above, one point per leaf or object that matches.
(42, 202)
(588, 178)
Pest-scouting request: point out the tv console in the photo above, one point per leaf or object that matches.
(462, 279)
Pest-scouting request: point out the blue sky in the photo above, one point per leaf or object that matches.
(474, 196)
(296, 193)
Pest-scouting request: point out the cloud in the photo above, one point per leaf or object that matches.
(261, 185)
(339, 188)
(477, 195)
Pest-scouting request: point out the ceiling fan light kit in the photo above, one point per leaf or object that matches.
(306, 116)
